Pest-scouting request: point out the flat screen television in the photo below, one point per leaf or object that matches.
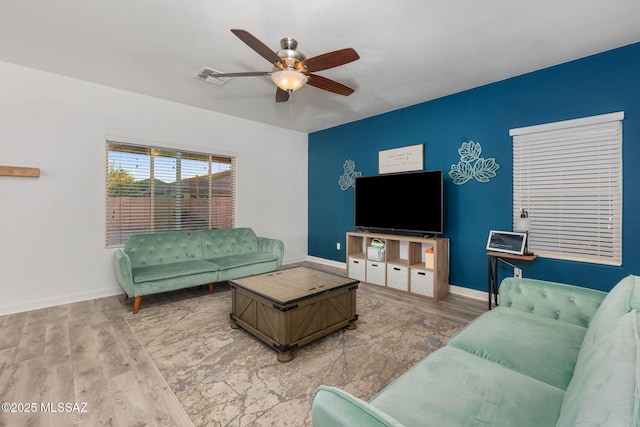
(403, 203)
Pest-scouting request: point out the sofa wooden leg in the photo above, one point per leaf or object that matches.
(210, 288)
(125, 297)
(136, 304)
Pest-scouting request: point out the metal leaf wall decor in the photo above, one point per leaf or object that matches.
(472, 166)
(348, 178)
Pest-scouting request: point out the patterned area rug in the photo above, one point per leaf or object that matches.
(226, 377)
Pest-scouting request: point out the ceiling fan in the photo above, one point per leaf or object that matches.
(292, 69)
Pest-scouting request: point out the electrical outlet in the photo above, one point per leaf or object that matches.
(338, 246)
(517, 272)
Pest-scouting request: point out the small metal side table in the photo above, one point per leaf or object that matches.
(492, 263)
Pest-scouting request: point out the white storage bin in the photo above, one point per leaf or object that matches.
(357, 269)
(376, 272)
(422, 282)
(398, 277)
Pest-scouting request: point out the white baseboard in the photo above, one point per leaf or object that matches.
(294, 260)
(469, 293)
(457, 290)
(330, 263)
(64, 299)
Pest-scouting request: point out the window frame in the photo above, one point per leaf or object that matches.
(153, 189)
(568, 176)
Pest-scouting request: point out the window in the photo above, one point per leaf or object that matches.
(151, 190)
(568, 177)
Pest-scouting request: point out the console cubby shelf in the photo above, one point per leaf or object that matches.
(403, 267)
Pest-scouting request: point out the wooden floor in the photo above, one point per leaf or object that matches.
(84, 357)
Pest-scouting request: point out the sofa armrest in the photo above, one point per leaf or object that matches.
(567, 303)
(272, 246)
(122, 267)
(333, 407)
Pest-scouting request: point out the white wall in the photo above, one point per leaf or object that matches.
(52, 228)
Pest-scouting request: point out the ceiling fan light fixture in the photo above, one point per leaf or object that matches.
(289, 80)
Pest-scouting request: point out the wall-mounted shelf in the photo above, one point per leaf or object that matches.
(19, 171)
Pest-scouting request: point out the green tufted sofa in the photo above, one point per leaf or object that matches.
(154, 263)
(549, 355)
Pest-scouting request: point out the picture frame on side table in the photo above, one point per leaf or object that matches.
(508, 242)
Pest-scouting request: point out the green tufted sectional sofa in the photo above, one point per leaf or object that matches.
(549, 355)
(154, 263)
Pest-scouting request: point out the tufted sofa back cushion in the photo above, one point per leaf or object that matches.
(164, 248)
(571, 304)
(605, 389)
(228, 241)
(623, 298)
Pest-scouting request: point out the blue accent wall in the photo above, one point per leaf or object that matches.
(598, 84)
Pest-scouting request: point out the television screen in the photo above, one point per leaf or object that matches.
(404, 203)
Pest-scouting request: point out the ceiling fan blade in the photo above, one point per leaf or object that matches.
(330, 60)
(243, 74)
(282, 95)
(329, 85)
(255, 44)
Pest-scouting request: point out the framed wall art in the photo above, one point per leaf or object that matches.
(403, 159)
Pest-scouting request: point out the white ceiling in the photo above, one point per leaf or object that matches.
(411, 51)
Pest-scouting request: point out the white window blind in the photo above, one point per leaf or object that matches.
(152, 189)
(568, 177)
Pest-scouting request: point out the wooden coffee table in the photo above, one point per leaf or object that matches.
(292, 307)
